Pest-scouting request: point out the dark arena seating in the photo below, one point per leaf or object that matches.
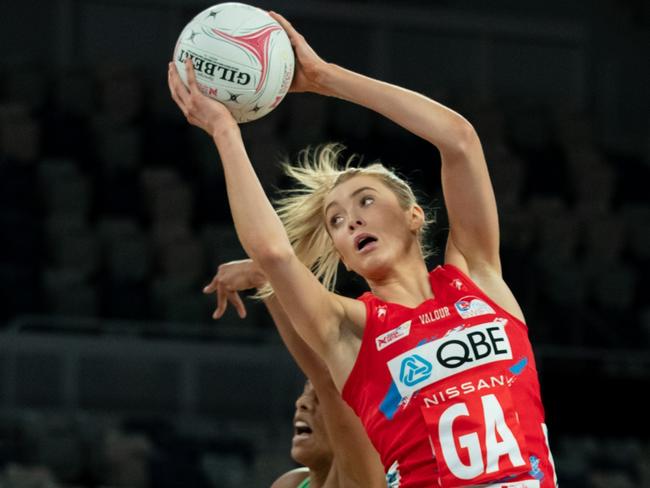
(113, 216)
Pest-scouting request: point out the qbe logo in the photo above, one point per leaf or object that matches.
(415, 369)
(458, 351)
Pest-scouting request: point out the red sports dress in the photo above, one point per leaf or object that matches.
(448, 391)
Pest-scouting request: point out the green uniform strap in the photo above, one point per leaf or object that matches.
(304, 484)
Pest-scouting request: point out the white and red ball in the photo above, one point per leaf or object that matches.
(241, 56)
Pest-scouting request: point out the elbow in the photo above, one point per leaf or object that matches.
(464, 138)
(467, 136)
(269, 257)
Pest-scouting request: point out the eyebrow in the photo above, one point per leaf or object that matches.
(352, 195)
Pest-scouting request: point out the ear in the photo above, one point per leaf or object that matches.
(416, 218)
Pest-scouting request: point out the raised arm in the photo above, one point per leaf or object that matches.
(468, 194)
(317, 314)
(469, 198)
(357, 462)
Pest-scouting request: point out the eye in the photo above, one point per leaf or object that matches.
(367, 200)
(336, 220)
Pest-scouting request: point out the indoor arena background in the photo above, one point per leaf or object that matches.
(113, 216)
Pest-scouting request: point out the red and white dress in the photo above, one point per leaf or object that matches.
(448, 391)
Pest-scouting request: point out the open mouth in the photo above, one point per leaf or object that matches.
(364, 240)
(301, 429)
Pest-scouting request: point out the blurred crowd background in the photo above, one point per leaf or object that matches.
(113, 216)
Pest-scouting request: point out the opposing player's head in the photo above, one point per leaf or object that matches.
(368, 217)
(310, 445)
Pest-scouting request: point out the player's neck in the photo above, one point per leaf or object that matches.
(407, 284)
(322, 477)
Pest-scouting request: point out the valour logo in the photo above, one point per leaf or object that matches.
(468, 307)
(414, 369)
(456, 352)
(434, 315)
(393, 335)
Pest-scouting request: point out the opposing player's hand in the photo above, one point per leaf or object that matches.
(231, 278)
(309, 65)
(199, 110)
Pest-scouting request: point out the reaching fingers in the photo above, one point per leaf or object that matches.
(191, 76)
(178, 91)
(171, 84)
(236, 300)
(286, 25)
(223, 297)
(222, 302)
(212, 286)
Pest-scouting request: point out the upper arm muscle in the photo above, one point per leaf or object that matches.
(470, 203)
(317, 314)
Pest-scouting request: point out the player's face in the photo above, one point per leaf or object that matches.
(368, 226)
(310, 444)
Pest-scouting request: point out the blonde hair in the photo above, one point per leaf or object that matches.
(317, 172)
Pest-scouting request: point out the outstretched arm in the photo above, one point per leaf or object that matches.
(357, 462)
(317, 314)
(236, 276)
(469, 198)
(468, 194)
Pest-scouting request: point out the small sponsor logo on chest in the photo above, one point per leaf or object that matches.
(468, 307)
(393, 335)
(434, 315)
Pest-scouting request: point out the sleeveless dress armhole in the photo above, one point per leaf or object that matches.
(451, 269)
(368, 300)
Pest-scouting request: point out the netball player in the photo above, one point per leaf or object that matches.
(328, 437)
(437, 364)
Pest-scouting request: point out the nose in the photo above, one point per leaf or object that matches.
(302, 403)
(354, 223)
